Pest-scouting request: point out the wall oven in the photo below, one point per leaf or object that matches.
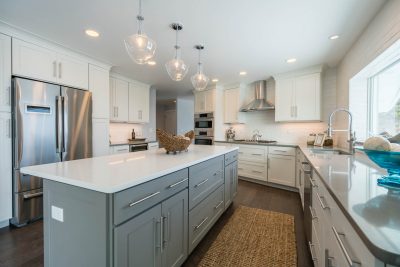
(204, 129)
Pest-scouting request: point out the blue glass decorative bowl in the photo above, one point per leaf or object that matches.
(387, 160)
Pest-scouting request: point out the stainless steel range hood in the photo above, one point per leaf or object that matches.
(260, 102)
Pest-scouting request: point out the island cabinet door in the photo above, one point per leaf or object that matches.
(228, 185)
(137, 242)
(234, 179)
(175, 230)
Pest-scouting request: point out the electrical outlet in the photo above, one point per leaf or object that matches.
(57, 213)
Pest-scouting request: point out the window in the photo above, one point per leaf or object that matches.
(374, 96)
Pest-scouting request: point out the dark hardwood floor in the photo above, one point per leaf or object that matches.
(24, 246)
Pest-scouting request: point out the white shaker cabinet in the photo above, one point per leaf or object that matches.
(298, 98)
(204, 101)
(5, 73)
(46, 64)
(119, 100)
(119, 149)
(233, 101)
(281, 169)
(139, 103)
(99, 82)
(101, 138)
(72, 71)
(34, 61)
(5, 168)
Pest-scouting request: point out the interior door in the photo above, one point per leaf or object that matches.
(77, 128)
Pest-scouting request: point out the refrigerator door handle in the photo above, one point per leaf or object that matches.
(63, 124)
(59, 123)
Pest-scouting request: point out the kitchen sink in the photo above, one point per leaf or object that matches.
(329, 151)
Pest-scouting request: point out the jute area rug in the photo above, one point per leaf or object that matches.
(254, 237)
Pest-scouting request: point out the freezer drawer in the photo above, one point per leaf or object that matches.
(28, 206)
(25, 182)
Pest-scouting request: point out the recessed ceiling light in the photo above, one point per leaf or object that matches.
(214, 80)
(334, 37)
(242, 73)
(151, 63)
(92, 33)
(291, 60)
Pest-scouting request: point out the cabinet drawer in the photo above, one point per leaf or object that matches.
(282, 150)
(231, 157)
(204, 179)
(203, 217)
(120, 149)
(251, 170)
(252, 153)
(135, 200)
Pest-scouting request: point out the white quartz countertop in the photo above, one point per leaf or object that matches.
(373, 210)
(113, 173)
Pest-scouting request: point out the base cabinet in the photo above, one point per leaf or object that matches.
(231, 181)
(157, 237)
(281, 169)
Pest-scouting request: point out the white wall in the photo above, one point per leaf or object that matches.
(120, 132)
(380, 34)
(185, 114)
(293, 132)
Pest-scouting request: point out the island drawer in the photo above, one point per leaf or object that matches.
(205, 177)
(231, 157)
(203, 217)
(135, 200)
(282, 150)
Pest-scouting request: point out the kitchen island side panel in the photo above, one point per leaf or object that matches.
(79, 234)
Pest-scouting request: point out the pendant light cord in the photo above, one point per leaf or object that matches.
(176, 44)
(199, 64)
(140, 18)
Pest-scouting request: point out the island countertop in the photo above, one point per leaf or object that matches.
(114, 173)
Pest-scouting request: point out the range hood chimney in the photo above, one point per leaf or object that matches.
(260, 102)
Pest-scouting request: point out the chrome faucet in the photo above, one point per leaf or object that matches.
(352, 135)
(256, 135)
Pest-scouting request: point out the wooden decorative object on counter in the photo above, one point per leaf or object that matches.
(174, 143)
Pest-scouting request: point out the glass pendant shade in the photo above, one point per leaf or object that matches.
(177, 69)
(140, 48)
(199, 80)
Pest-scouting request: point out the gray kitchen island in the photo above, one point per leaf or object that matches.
(135, 209)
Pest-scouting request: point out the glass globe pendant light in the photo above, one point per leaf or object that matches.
(176, 68)
(199, 80)
(140, 48)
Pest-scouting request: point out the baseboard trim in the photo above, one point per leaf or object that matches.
(284, 187)
(5, 223)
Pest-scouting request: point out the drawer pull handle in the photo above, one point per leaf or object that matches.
(312, 183)
(178, 183)
(350, 261)
(215, 173)
(202, 222)
(219, 204)
(255, 154)
(307, 172)
(323, 205)
(277, 150)
(143, 199)
(240, 168)
(313, 216)
(256, 171)
(305, 163)
(199, 184)
(311, 246)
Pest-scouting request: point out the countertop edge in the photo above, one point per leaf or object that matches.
(385, 256)
(115, 189)
(257, 144)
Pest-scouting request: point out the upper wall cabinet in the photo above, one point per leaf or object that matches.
(233, 101)
(139, 100)
(33, 61)
(204, 101)
(99, 82)
(119, 100)
(298, 98)
(5, 73)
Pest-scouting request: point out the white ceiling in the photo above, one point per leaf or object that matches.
(256, 36)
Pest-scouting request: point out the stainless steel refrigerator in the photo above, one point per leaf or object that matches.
(51, 123)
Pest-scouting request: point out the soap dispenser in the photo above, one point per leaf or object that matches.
(133, 134)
